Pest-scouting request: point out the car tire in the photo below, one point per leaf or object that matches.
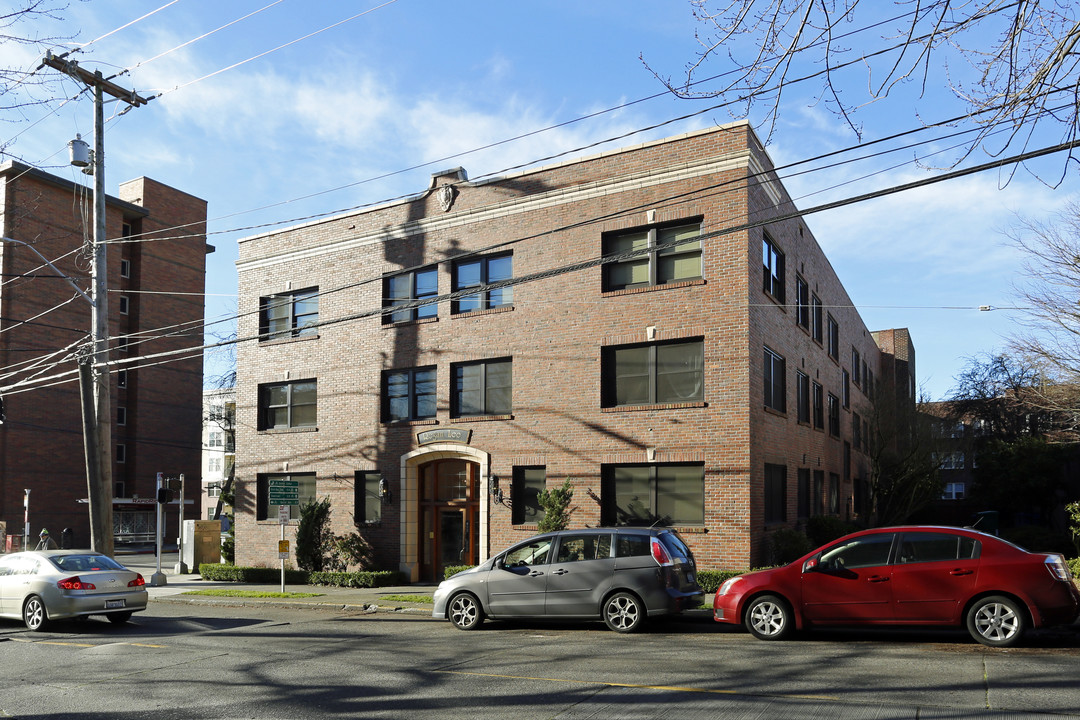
(464, 611)
(119, 618)
(769, 617)
(997, 621)
(624, 612)
(34, 615)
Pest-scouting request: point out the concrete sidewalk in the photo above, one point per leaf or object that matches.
(177, 585)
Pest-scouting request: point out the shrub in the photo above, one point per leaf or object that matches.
(711, 580)
(450, 570)
(360, 579)
(1038, 539)
(1074, 566)
(350, 550)
(826, 528)
(788, 545)
(556, 504)
(313, 537)
(267, 576)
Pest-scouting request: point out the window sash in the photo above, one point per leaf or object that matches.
(803, 390)
(775, 493)
(658, 494)
(367, 500)
(657, 373)
(775, 381)
(525, 489)
(292, 314)
(772, 268)
(407, 288)
(483, 388)
(483, 271)
(410, 394)
(657, 265)
(289, 405)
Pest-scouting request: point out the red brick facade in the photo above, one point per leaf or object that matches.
(558, 334)
(155, 300)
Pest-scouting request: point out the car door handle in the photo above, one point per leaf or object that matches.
(878, 578)
(560, 571)
(535, 573)
(960, 572)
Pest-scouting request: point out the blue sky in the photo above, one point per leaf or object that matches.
(307, 108)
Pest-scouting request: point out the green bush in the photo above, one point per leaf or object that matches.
(788, 545)
(1074, 566)
(711, 580)
(454, 570)
(267, 576)
(1039, 539)
(826, 528)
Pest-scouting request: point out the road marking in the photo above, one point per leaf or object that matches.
(85, 645)
(675, 688)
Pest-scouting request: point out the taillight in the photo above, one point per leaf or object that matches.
(138, 581)
(660, 553)
(74, 583)
(1057, 567)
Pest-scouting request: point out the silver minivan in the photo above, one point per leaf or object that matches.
(620, 575)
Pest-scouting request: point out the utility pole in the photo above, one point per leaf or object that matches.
(97, 425)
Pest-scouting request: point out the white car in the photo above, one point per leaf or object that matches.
(39, 586)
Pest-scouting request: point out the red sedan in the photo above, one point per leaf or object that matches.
(914, 575)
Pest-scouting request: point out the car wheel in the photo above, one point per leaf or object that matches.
(465, 612)
(623, 612)
(119, 618)
(34, 613)
(769, 618)
(996, 621)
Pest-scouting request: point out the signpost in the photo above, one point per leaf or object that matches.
(283, 493)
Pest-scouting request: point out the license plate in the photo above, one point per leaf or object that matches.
(111, 604)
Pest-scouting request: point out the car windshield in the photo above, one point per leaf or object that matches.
(85, 563)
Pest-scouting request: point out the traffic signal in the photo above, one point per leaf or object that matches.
(164, 495)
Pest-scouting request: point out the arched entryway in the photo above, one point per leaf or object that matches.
(444, 510)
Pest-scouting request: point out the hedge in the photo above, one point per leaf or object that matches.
(366, 579)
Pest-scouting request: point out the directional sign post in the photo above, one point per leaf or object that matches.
(283, 492)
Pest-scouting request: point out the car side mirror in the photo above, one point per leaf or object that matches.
(810, 565)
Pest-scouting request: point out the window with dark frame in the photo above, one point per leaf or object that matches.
(802, 390)
(125, 304)
(652, 494)
(409, 394)
(409, 287)
(818, 500)
(121, 453)
(819, 406)
(125, 268)
(289, 315)
(834, 338)
(121, 379)
(845, 388)
(478, 271)
(772, 268)
(527, 484)
(653, 373)
(775, 381)
(287, 405)
(816, 317)
(668, 254)
(775, 493)
(856, 377)
(834, 494)
(803, 503)
(305, 491)
(834, 415)
(802, 303)
(484, 387)
(367, 497)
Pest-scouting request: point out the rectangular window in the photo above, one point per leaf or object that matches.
(405, 290)
(305, 494)
(525, 489)
(834, 415)
(289, 315)
(213, 464)
(818, 501)
(409, 394)
(775, 493)
(645, 495)
(834, 338)
(819, 406)
(659, 256)
(856, 431)
(216, 439)
(125, 304)
(482, 388)
(287, 404)
(804, 493)
(802, 302)
(121, 379)
(772, 268)
(476, 272)
(367, 497)
(856, 377)
(775, 382)
(125, 268)
(954, 491)
(834, 493)
(653, 374)
(121, 415)
(121, 453)
(845, 388)
(816, 315)
(803, 390)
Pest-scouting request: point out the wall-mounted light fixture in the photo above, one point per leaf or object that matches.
(494, 491)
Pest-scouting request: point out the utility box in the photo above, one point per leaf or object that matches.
(202, 543)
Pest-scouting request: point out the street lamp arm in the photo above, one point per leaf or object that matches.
(53, 267)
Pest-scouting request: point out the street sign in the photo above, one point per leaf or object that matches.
(284, 515)
(283, 549)
(283, 492)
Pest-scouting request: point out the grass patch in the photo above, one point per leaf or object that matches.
(408, 598)
(229, 592)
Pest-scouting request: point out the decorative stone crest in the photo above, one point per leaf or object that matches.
(447, 194)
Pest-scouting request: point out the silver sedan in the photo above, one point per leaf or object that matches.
(44, 585)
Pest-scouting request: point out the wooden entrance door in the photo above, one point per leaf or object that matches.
(449, 516)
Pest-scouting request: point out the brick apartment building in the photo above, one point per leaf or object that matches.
(431, 363)
(155, 306)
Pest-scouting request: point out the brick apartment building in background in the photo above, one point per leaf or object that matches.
(155, 306)
(711, 374)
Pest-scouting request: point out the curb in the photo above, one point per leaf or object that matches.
(367, 608)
